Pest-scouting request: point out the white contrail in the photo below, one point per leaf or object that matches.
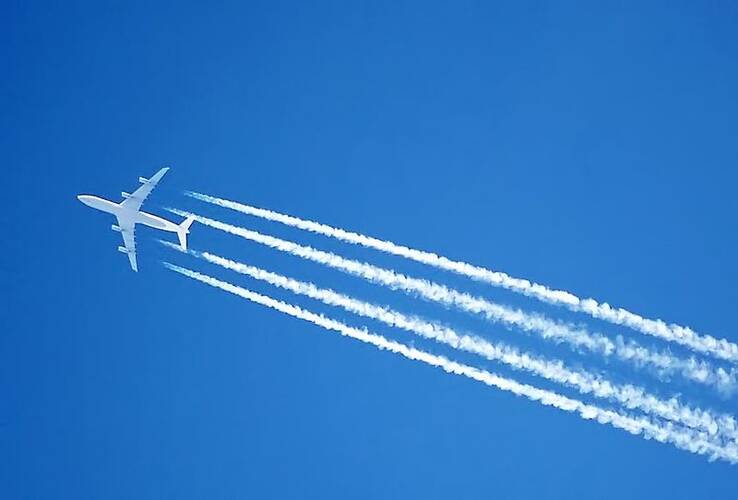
(663, 432)
(587, 383)
(685, 336)
(577, 336)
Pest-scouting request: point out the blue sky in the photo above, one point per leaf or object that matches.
(590, 148)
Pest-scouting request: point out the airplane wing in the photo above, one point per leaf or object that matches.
(136, 199)
(127, 229)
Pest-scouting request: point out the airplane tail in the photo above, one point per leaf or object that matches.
(184, 230)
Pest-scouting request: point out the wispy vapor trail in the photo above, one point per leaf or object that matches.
(578, 337)
(685, 336)
(692, 441)
(587, 383)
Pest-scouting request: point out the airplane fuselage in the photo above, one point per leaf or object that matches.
(136, 216)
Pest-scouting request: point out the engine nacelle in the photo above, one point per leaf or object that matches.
(125, 195)
(143, 180)
(115, 228)
(123, 250)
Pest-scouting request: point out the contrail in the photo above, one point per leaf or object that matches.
(663, 432)
(685, 336)
(587, 383)
(578, 337)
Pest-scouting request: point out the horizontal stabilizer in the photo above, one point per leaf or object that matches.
(184, 230)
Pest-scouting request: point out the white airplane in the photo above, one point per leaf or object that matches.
(128, 215)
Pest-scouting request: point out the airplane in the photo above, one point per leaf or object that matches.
(128, 214)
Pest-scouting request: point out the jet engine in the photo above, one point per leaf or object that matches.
(115, 228)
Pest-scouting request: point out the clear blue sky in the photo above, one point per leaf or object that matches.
(590, 148)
